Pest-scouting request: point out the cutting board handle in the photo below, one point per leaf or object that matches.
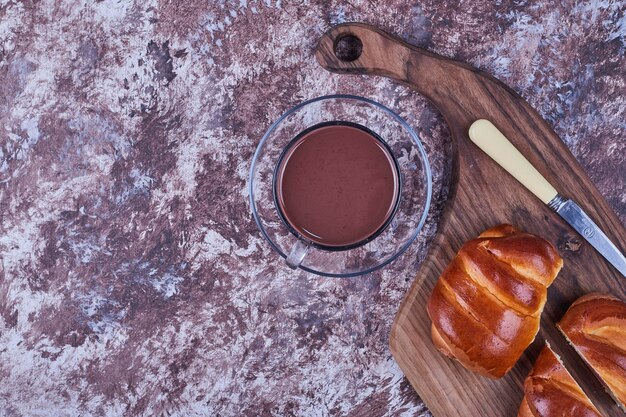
(357, 48)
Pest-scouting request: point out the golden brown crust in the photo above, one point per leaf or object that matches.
(595, 325)
(516, 291)
(530, 255)
(550, 391)
(486, 305)
(500, 231)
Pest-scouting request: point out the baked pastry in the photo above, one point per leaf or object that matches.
(595, 325)
(550, 391)
(486, 305)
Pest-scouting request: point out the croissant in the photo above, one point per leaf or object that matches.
(595, 325)
(549, 390)
(486, 305)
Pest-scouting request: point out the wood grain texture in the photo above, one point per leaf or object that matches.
(483, 195)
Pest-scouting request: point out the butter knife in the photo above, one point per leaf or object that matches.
(488, 138)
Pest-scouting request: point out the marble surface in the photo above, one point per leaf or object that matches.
(133, 280)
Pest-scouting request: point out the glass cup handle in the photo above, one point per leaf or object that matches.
(297, 254)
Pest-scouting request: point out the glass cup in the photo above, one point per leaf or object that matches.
(402, 227)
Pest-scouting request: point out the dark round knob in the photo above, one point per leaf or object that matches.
(348, 47)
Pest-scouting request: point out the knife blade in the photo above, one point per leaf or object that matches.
(571, 212)
(488, 138)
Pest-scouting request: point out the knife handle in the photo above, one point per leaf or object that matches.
(488, 138)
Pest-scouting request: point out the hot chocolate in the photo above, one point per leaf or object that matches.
(337, 184)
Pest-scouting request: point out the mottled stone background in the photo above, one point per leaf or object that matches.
(133, 280)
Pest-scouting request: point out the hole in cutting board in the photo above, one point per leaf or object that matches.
(348, 47)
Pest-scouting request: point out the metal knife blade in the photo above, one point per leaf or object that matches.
(582, 223)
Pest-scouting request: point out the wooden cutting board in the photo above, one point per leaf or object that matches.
(483, 195)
